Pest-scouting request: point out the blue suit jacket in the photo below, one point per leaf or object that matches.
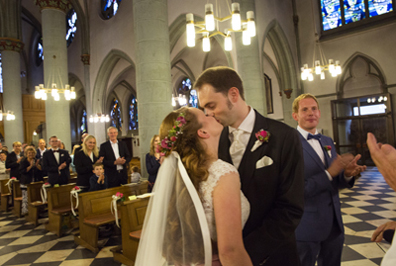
(321, 195)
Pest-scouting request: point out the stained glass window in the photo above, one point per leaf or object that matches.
(71, 26)
(184, 89)
(336, 13)
(110, 8)
(39, 52)
(1, 77)
(379, 7)
(115, 115)
(133, 115)
(83, 127)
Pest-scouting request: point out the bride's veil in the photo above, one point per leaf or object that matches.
(175, 230)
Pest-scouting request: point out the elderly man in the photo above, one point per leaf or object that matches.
(116, 158)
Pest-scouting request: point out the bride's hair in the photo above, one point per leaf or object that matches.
(187, 145)
(182, 243)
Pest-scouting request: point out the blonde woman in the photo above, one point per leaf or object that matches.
(153, 161)
(83, 161)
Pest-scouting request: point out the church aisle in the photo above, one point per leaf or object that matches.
(370, 203)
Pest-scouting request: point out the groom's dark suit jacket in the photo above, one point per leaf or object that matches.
(275, 192)
(50, 165)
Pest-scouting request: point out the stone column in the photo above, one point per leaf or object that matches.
(249, 67)
(57, 113)
(153, 76)
(85, 58)
(12, 93)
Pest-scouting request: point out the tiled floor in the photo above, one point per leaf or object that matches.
(369, 204)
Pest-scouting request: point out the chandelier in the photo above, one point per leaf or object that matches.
(320, 66)
(102, 118)
(9, 116)
(41, 92)
(208, 27)
(181, 99)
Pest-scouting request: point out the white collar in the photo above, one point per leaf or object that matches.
(247, 124)
(305, 133)
(112, 143)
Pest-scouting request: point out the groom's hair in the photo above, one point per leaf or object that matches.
(222, 79)
(296, 102)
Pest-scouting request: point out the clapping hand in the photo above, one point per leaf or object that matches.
(62, 166)
(352, 168)
(348, 163)
(101, 178)
(100, 160)
(379, 232)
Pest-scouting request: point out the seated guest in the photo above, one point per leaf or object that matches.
(135, 176)
(28, 169)
(5, 148)
(56, 163)
(14, 158)
(4, 172)
(98, 181)
(83, 161)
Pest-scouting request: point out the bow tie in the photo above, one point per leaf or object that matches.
(56, 151)
(317, 136)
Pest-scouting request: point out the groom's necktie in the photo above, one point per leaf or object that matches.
(318, 137)
(237, 148)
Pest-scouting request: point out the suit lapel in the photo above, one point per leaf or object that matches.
(311, 152)
(224, 146)
(248, 163)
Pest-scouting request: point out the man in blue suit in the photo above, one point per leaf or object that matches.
(320, 234)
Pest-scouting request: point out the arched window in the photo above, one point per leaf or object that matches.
(1, 77)
(39, 52)
(184, 89)
(133, 114)
(336, 13)
(115, 115)
(109, 8)
(71, 26)
(83, 127)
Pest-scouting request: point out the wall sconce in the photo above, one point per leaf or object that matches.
(288, 93)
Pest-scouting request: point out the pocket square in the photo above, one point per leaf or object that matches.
(265, 161)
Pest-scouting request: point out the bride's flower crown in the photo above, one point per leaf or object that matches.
(168, 142)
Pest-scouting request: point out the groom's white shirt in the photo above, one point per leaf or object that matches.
(246, 126)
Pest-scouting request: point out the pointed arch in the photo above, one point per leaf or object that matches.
(374, 70)
(102, 79)
(83, 26)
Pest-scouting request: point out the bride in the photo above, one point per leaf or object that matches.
(197, 212)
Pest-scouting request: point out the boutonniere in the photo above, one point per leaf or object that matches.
(262, 136)
(328, 149)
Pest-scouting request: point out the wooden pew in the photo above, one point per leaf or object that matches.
(34, 201)
(58, 205)
(17, 192)
(132, 213)
(5, 195)
(94, 211)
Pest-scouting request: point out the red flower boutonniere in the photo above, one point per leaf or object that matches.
(262, 136)
(328, 149)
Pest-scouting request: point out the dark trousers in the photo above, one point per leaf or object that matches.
(117, 178)
(327, 252)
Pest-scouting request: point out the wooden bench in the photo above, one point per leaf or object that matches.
(5, 194)
(58, 205)
(132, 213)
(35, 203)
(94, 211)
(17, 193)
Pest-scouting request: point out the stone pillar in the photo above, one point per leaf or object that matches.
(12, 93)
(249, 67)
(85, 58)
(57, 113)
(153, 75)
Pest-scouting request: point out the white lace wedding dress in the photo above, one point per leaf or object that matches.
(216, 171)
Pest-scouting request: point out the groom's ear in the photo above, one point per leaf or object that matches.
(233, 94)
(203, 134)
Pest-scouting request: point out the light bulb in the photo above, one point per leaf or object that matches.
(91, 119)
(236, 17)
(173, 101)
(310, 77)
(318, 68)
(96, 118)
(44, 96)
(190, 30)
(245, 37)
(331, 66)
(206, 44)
(251, 25)
(228, 43)
(37, 93)
(107, 118)
(209, 17)
(322, 75)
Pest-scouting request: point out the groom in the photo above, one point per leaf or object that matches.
(270, 167)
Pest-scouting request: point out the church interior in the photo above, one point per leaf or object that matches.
(128, 63)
